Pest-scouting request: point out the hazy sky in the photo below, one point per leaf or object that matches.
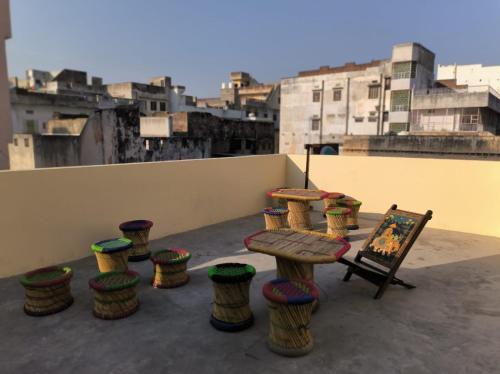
(198, 43)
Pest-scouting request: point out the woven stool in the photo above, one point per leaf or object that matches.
(115, 294)
(112, 254)
(290, 306)
(170, 267)
(231, 282)
(47, 290)
(276, 218)
(354, 205)
(138, 232)
(336, 218)
(331, 199)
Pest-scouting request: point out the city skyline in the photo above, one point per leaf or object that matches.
(202, 42)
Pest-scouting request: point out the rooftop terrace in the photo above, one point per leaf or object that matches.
(449, 323)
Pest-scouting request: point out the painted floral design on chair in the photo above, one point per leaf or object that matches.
(391, 235)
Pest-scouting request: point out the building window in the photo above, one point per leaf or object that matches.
(373, 92)
(385, 117)
(275, 117)
(400, 101)
(247, 113)
(29, 111)
(372, 119)
(26, 142)
(398, 127)
(404, 70)
(30, 126)
(265, 115)
(15, 142)
(152, 105)
(358, 119)
(163, 106)
(316, 96)
(387, 83)
(315, 124)
(337, 94)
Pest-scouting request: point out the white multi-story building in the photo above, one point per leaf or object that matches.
(470, 75)
(321, 106)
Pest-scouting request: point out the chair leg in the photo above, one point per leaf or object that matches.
(347, 275)
(381, 289)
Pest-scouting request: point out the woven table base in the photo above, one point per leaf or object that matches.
(298, 215)
(294, 270)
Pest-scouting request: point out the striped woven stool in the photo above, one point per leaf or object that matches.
(112, 254)
(290, 306)
(354, 205)
(170, 267)
(138, 232)
(231, 310)
(331, 199)
(275, 218)
(115, 294)
(47, 290)
(336, 219)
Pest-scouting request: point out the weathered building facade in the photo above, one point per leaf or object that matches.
(322, 106)
(470, 75)
(5, 121)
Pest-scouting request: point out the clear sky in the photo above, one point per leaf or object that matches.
(198, 43)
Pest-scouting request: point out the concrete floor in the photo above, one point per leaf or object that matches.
(449, 324)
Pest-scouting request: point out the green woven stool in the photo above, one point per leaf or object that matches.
(112, 254)
(47, 290)
(231, 283)
(354, 205)
(115, 294)
(170, 267)
(336, 219)
(290, 307)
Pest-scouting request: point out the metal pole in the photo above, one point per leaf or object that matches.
(306, 182)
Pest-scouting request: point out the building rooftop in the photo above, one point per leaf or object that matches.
(449, 323)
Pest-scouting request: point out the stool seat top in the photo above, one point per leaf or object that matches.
(338, 211)
(335, 195)
(114, 280)
(170, 256)
(231, 272)
(297, 194)
(275, 211)
(290, 292)
(44, 277)
(349, 201)
(112, 245)
(136, 225)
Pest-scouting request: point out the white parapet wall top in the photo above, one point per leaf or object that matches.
(156, 127)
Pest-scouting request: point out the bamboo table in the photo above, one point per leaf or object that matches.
(298, 205)
(297, 251)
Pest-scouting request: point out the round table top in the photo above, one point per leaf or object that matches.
(298, 194)
(298, 245)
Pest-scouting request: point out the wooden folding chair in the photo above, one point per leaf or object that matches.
(386, 247)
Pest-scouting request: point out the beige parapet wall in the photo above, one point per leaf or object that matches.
(463, 194)
(51, 216)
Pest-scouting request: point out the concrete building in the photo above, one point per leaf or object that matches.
(322, 106)
(470, 75)
(469, 109)
(5, 121)
(122, 135)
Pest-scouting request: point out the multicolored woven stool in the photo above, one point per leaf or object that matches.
(275, 218)
(354, 205)
(170, 267)
(47, 290)
(336, 219)
(231, 282)
(112, 254)
(138, 232)
(115, 294)
(290, 307)
(331, 199)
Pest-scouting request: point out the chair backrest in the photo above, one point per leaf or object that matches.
(392, 238)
